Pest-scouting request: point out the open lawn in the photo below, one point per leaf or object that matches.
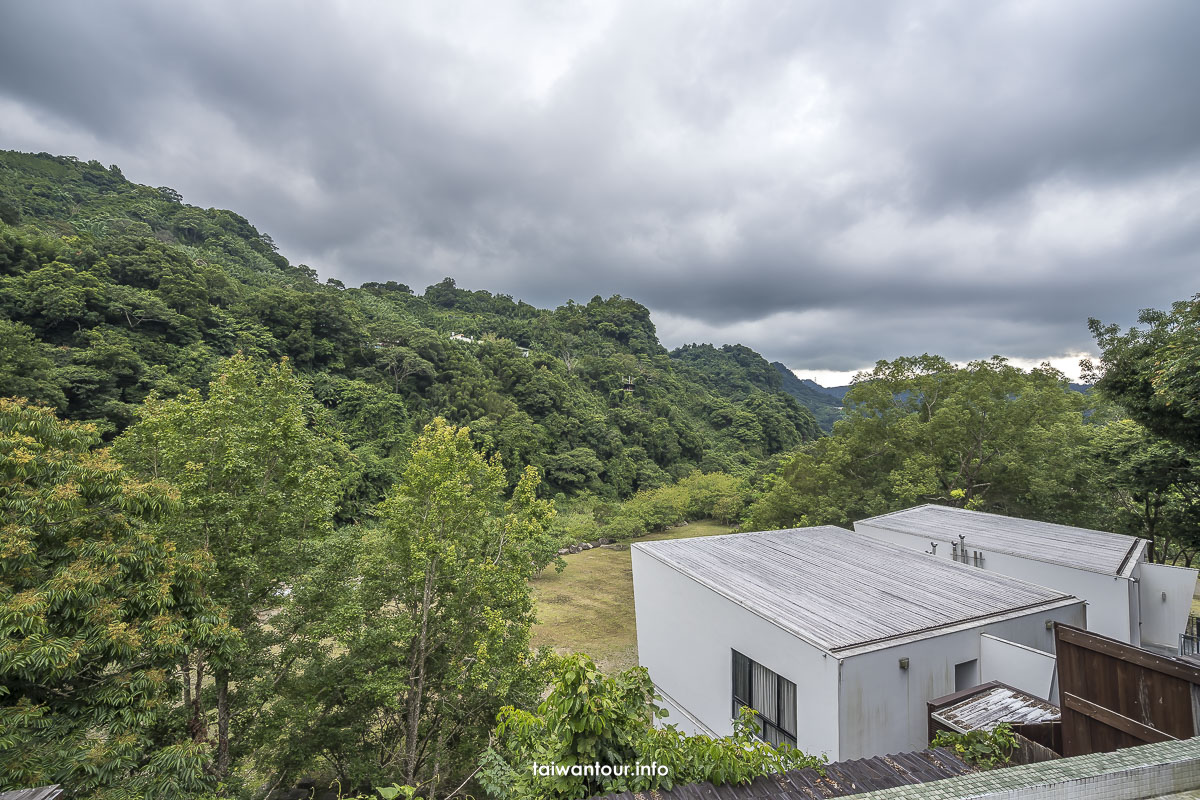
(588, 607)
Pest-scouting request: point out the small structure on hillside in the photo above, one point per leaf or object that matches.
(836, 640)
(1129, 599)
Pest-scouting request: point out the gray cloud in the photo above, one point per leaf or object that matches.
(829, 183)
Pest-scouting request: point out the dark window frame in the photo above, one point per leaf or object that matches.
(769, 728)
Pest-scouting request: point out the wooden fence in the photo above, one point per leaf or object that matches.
(1115, 695)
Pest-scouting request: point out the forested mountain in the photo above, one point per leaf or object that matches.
(110, 290)
(825, 404)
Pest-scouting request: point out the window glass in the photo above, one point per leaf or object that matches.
(769, 694)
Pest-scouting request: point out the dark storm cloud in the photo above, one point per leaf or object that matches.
(829, 183)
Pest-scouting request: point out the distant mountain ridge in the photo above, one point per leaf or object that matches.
(825, 404)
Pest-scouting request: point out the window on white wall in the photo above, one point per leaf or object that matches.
(771, 695)
(966, 675)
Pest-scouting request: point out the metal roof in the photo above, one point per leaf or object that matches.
(987, 709)
(840, 779)
(843, 591)
(41, 793)
(1081, 548)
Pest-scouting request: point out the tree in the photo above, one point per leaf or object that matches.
(27, 367)
(423, 621)
(1153, 488)
(1151, 372)
(254, 469)
(987, 436)
(608, 722)
(96, 610)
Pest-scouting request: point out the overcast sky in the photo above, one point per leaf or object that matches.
(828, 183)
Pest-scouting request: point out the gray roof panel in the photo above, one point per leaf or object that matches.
(40, 793)
(1081, 548)
(839, 590)
(987, 709)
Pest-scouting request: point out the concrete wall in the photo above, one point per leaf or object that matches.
(883, 706)
(1021, 667)
(1108, 596)
(686, 634)
(1166, 601)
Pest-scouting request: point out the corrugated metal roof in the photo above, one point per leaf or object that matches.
(840, 590)
(841, 779)
(41, 793)
(987, 709)
(1095, 551)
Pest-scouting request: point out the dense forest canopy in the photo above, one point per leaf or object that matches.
(110, 291)
(258, 527)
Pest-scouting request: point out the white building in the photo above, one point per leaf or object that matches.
(1128, 598)
(837, 640)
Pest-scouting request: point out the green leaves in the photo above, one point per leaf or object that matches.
(95, 609)
(984, 749)
(590, 718)
(986, 436)
(417, 624)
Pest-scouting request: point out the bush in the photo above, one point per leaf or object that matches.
(984, 749)
(624, 527)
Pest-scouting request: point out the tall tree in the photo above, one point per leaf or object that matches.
(96, 610)
(254, 468)
(1151, 371)
(1154, 460)
(424, 620)
(1152, 487)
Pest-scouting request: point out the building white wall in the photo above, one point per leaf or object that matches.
(1107, 596)
(686, 634)
(1021, 667)
(883, 706)
(1165, 599)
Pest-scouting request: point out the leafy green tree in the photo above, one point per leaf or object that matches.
(420, 626)
(987, 436)
(255, 471)
(1152, 488)
(1151, 371)
(27, 366)
(592, 719)
(96, 611)
(1150, 463)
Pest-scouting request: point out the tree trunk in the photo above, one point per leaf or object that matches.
(417, 678)
(198, 726)
(222, 678)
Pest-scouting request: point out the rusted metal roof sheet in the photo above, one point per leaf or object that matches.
(989, 708)
(842, 591)
(839, 780)
(1081, 548)
(40, 793)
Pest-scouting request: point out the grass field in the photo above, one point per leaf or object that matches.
(588, 607)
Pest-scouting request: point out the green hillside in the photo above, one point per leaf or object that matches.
(825, 405)
(110, 290)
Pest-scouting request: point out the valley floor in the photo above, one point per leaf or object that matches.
(588, 607)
